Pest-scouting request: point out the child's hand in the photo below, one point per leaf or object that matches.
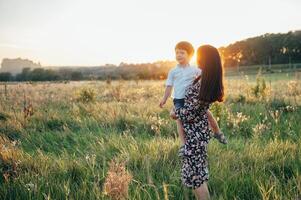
(162, 103)
(173, 113)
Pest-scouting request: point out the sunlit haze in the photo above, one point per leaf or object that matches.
(96, 32)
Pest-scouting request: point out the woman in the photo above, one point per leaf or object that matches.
(205, 90)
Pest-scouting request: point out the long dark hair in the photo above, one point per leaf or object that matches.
(212, 83)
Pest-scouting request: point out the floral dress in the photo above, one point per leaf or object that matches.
(194, 118)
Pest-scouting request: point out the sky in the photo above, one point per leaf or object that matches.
(96, 32)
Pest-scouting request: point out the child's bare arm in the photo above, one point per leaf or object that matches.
(212, 122)
(167, 94)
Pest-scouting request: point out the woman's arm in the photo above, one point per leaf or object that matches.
(188, 111)
(192, 105)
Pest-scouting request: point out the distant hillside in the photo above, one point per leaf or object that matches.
(15, 66)
(270, 48)
(155, 70)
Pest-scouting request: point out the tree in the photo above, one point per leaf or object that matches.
(24, 75)
(5, 76)
(76, 76)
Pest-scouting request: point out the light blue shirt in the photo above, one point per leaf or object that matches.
(180, 78)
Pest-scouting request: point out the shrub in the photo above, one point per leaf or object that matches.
(9, 163)
(117, 181)
(87, 95)
(260, 89)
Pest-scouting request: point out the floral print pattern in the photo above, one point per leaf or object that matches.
(194, 171)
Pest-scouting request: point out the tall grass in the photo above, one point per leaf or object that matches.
(93, 140)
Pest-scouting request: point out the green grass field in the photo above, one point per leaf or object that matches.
(93, 140)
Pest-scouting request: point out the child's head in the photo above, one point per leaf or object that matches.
(184, 52)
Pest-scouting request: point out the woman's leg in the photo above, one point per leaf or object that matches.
(202, 192)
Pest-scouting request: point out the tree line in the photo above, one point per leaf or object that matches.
(266, 49)
(126, 71)
(39, 74)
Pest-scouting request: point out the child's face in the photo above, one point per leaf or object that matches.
(182, 56)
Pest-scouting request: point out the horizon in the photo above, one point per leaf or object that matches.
(193, 61)
(81, 33)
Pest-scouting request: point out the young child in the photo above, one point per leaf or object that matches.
(179, 78)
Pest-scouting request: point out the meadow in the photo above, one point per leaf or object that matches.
(110, 140)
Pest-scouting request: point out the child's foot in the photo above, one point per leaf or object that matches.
(220, 137)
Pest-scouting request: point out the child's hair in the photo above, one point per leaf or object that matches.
(185, 46)
(212, 86)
